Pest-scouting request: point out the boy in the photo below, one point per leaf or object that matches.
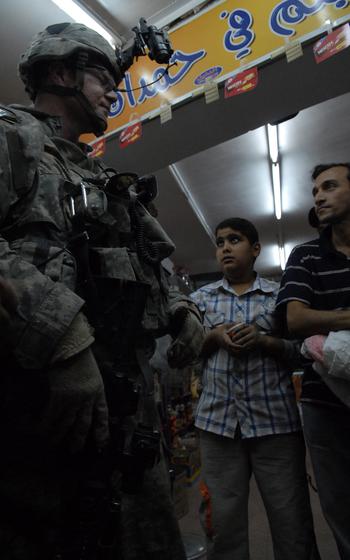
(247, 414)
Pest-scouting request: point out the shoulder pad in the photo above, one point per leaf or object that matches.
(7, 115)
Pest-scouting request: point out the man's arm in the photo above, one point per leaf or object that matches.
(249, 337)
(186, 329)
(278, 347)
(45, 308)
(304, 321)
(44, 313)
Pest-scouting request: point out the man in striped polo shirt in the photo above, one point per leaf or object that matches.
(315, 291)
(247, 413)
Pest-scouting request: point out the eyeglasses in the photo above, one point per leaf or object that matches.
(103, 76)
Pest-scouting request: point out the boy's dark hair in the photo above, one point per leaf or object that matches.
(324, 166)
(243, 226)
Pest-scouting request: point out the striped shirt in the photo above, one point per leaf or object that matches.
(319, 276)
(255, 391)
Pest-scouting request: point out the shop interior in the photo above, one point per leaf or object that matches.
(212, 161)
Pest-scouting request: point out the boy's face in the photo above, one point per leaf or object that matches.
(234, 253)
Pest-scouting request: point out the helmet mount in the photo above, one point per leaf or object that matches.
(77, 44)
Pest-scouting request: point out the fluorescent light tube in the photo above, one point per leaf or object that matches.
(272, 137)
(185, 189)
(80, 15)
(276, 183)
(282, 256)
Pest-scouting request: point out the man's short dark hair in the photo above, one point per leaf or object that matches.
(324, 166)
(243, 226)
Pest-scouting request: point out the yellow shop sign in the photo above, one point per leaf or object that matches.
(215, 44)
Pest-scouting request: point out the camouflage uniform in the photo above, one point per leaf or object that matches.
(40, 174)
(8, 304)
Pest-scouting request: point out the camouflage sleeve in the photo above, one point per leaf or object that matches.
(177, 300)
(46, 308)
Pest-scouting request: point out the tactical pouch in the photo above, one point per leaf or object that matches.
(120, 308)
(55, 262)
(122, 392)
(116, 315)
(143, 454)
(113, 262)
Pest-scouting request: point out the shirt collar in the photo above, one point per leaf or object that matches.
(326, 244)
(74, 152)
(259, 285)
(52, 124)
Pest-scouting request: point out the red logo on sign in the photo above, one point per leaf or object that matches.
(98, 148)
(241, 83)
(130, 134)
(333, 43)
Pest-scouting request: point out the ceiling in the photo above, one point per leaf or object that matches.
(219, 150)
(233, 179)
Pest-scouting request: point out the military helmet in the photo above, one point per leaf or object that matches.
(62, 41)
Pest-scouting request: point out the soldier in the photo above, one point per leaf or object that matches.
(76, 403)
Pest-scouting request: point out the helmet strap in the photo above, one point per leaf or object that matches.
(62, 91)
(99, 125)
(80, 65)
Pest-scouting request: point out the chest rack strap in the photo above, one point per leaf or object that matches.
(19, 172)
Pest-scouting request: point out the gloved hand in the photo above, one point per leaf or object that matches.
(188, 334)
(77, 407)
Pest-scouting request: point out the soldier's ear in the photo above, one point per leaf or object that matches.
(60, 74)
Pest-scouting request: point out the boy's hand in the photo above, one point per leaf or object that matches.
(246, 337)
(223, 339)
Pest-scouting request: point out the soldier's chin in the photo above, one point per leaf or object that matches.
(100, 125)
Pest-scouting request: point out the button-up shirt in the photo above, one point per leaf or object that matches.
(254, 390)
